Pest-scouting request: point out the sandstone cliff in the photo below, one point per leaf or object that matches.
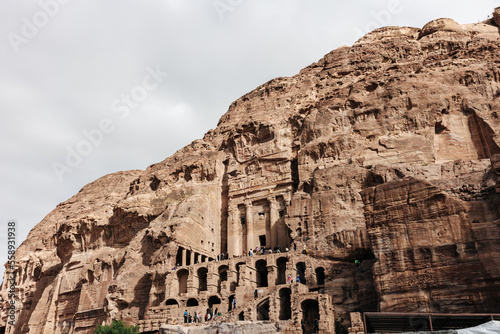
(387, 151)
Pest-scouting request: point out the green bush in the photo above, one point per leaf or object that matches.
(117, 327)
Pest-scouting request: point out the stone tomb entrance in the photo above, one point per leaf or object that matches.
(285, 304)
(281, 264)
(202, 279)
(320, 276)
(310, 313)
(257, 223)
(301, 272)
(263, 310)
(183, 276)
(261, 271)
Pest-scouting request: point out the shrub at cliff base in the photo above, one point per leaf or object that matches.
(117, 327)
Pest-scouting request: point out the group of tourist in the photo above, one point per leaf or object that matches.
(196, 316)
(256, 251)
(223, 256)
(263, 250)
(291, 279)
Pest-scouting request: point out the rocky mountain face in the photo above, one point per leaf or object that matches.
(386, 152)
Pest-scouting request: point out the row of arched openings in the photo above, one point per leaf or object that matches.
(213, 300)
(261, 275)
(310, 307)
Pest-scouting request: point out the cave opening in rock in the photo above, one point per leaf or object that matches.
(261, 268)
(320, 276)
(172, 303)
(294, 167)
(285, 304)
(281, 264)
(222, 276)
(213, 300)
(192, 302)
(301, 272)
(230, 303)
(263, 310)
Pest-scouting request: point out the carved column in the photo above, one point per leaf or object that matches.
(191, 259)
(191, 289)
(234, 233)
(212, 279)
(273, 214)
(183, 257)
(249, 225)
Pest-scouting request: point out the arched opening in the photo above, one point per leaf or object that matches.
(263, 310)
(261, 268)
(213, 300)
(222, 276)
(310, 313)
(301, 272)
(182, 276)
(241, 316)
(231, 300)
(192, 302)
(285, 304)
(320, 276)
(281, 264)
(202, 279)
(223, 273)
(172, 303)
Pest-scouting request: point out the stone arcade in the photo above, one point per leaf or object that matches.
(215, 284)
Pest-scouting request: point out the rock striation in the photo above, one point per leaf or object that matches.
(386, 152)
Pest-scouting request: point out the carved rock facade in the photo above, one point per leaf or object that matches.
(386, 152)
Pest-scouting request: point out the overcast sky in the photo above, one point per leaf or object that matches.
(151, 76)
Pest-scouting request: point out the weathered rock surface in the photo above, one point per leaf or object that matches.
(247, 327)
(386, 152)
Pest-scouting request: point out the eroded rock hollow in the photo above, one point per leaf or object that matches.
(385, 153)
